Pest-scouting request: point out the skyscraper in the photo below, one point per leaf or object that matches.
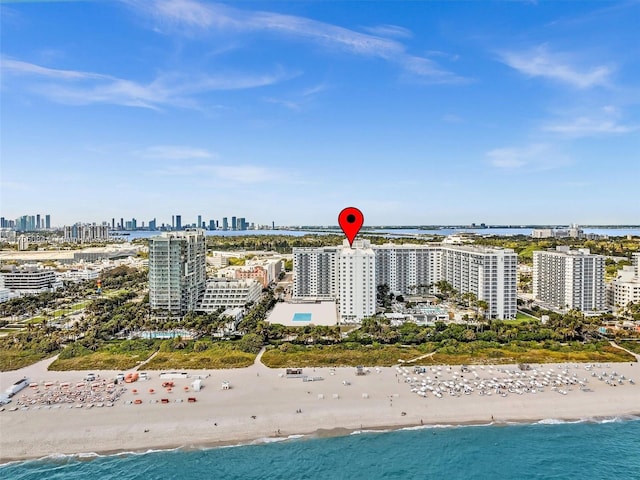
(212, 224)
(177, 271)
(225, 223)
(38, 224)
(234, 225)
(199, 224)
(47, 221)
(178, 222)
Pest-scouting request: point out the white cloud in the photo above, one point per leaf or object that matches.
(603, 122)
(177, 89)
(585, 126)
(540, 62)
(536, 157)
(174, 152)
(234, 174)
(190, 17)
(389, 31)
(17, 67)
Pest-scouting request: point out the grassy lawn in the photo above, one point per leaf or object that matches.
(527, 352)
(15, 359)
(117, 355)
(348, 355)
(216, 356)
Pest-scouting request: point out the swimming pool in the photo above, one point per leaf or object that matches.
(301, 317)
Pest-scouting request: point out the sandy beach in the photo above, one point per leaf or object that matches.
(264, 403)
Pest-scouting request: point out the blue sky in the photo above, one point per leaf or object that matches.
(415, 112)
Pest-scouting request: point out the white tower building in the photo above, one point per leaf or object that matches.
(569, 279)
(357, 281)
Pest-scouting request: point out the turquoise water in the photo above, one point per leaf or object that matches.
(539, 451)
(301, 317)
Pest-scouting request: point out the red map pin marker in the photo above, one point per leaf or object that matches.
(350, 220)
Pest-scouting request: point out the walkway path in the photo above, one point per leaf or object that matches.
(426, 355)
(614, 344)
(142, 364)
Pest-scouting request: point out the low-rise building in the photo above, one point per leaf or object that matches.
(79, 275)
(257, 273)
(625, 288)
(29, 280)
(228, 293)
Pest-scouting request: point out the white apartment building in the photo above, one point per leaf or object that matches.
(489, 273)
(79, 275)
(79, 233)
(356, 281)
(569, 279)
(625, 288)
(23, 243)
(177, 271)
(315, 273)
(407, 269)
(228, 293)
(29, 280)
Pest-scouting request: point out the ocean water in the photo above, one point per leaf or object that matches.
(612, 232)
(608, 449)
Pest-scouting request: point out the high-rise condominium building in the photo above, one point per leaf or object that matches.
(177, 271)
(489, 273)
(356, 281)
(315, 273)
(225, 223)
(178, 222)
(234, 223)
(327, 273)
(407, 268)
(79, 233)
(569, 279)
(337, 273)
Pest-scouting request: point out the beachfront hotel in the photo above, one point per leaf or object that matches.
(568, 279)
(177, 271)
(490, 273)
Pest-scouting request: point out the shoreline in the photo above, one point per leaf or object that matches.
(263, 406)
(319, 434)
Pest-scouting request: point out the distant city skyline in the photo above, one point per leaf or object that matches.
(418, 113)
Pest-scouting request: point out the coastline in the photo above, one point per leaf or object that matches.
(317, 434)
(264, 406)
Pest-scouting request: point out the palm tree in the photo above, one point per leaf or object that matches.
(483, 306)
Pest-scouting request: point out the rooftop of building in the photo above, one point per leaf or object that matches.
(303, 314)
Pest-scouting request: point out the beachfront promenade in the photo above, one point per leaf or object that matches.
(263, 402)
